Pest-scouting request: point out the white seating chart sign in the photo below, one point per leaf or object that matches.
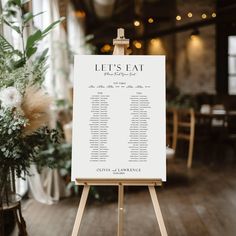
(119, 117)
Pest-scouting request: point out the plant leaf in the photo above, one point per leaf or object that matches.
(5, 45)
(32, 40)
(29, 16)
(18, 52)
(51, 26)
(17, 2)
(24, 2)
(16, 28)
(30, 51)
(37, 36)
(19, 63)
(43, 56)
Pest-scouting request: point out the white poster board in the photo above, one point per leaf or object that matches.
(119, 117)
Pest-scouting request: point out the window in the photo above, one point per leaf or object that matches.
(232, 65)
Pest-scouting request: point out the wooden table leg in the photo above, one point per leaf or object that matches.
(157, 210)
(120, 210)
(80, 211)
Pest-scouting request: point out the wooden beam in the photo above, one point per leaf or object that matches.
(178, 29)
(158, 33)
(223, 15)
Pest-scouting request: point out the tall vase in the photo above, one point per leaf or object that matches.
(7, 186)
(8, 198)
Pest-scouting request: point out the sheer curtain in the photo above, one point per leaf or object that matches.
(58, 72)
(49, 186)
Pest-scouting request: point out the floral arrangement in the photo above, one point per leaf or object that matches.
(23, 118)
(24, 105)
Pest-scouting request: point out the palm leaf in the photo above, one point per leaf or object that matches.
(5, 46)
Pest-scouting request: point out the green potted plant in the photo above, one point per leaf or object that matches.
(24, 105)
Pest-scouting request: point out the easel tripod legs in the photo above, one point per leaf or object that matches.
(120, 210)
(157, 210)
(80, 211)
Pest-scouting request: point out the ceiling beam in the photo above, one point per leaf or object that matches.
(177, 29)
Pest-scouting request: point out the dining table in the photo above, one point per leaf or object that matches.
(216, 131)
(223, 116)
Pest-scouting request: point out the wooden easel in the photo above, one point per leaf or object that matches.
(120, 48)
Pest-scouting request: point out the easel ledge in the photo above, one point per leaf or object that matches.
(117, 182)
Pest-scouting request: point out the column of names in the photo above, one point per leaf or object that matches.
(99, 127)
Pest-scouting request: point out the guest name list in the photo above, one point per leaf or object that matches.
(119, 117)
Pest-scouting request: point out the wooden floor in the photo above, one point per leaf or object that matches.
(198, 202)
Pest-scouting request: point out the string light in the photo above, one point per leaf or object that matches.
(106, 48)
(80, 14)
(155, 42)
(136, 23)
(178, 18)
(150, 20)
(137, 44)
(190, 14)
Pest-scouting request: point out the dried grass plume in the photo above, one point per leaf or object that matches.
(36, 108)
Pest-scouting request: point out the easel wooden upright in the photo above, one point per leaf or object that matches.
(120, 48)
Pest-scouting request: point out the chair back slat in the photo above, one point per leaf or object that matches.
(171, 127)
(186, 130)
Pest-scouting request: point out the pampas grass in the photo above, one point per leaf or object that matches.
(36, 108)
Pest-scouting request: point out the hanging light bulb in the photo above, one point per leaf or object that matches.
(190, 14)
(137, 44)
(213, 14)
(136, 23)
(155, 42)
(195, 33)
(150, 20)
(204, 16)
(178, 18)
(80, 14)
(106, 48)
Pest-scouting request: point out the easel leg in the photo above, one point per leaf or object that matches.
(157, 210)
(120, 210)
(80, 211)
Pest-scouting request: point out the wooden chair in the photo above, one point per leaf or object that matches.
(171, 130)
(186, 130)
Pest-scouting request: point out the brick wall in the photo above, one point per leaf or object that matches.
(195, 57)
(191, 66)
